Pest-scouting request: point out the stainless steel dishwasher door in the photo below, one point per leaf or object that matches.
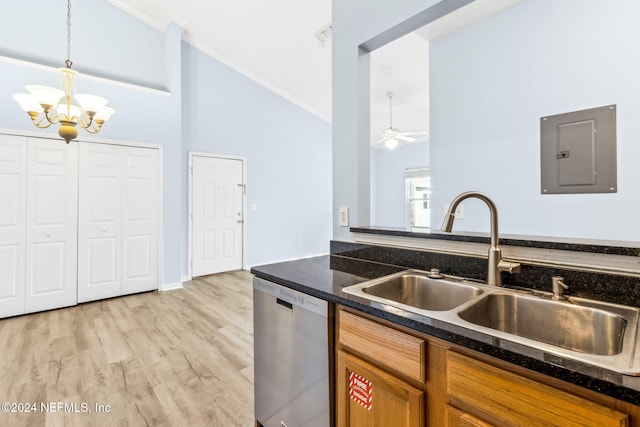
(291, 357)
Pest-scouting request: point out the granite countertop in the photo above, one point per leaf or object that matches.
(325, 276)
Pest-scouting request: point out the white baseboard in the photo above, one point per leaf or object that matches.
(170, 286)
(185, 278)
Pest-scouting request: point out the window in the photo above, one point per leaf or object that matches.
(418, 184)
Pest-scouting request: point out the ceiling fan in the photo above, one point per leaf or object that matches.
(391, 137)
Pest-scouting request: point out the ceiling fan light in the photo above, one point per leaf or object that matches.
(391, 143)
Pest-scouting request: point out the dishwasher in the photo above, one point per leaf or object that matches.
(292, 357)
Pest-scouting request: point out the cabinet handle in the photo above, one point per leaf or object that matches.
(240, 221)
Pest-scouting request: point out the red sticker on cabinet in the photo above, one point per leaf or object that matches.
(360, 390)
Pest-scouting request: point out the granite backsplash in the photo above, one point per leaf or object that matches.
(610, 287)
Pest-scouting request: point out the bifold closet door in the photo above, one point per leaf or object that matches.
(13, 199)
(118, 220)
(140, 219)
(100, 222)
(51, 227)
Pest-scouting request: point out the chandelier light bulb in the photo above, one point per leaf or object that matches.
(104, 114)
(90, 104)
(28, 102)
(45, 95)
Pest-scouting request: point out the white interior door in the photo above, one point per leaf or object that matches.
(218, 213)
(140, 219)
(52, 214)
(13, 197)
(100, 222)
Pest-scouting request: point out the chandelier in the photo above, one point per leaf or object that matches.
(47, 105)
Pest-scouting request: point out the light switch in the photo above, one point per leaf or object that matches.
(343, 217)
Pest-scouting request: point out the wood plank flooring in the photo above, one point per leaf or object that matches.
(177, 358)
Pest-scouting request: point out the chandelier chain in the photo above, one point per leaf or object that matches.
(68, 61)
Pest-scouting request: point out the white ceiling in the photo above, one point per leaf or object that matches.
(274, 44)
(271, 42)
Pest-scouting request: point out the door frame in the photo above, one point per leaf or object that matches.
(193, 154)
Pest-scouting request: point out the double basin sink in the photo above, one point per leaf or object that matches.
(596, 332)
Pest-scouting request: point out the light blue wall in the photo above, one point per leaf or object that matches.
(388, 204)
(288, 154)
(105, 40)
(288, 150)
(491, 83)
(355, 22)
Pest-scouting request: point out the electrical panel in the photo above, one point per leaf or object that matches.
(578, 152)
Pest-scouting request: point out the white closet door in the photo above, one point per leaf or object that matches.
(52, 214)
(13, 196)
(100, 221)
(217, 198)
(140, 219)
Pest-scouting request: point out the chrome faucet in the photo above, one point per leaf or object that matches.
(496, 264)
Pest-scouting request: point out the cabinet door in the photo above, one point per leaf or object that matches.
(52, 215)
(458, 418)
(13, 199)
(99, 222)
(387, 401)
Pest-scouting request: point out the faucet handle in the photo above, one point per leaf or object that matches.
(509, 267)
(558, 287)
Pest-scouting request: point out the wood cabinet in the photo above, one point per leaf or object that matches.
(368, 396)
(422, 380)
(390, 348)
(512, 399)
(380, 375)
(457, 418)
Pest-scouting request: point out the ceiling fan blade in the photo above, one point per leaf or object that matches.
(414, 132)
(382, 143)
(403, 137)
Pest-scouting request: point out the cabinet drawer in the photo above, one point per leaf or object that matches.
(519, 400)
(389, 347)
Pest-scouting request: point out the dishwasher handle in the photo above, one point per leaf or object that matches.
(284, 304)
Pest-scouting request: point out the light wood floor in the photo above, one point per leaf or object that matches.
(177, 358)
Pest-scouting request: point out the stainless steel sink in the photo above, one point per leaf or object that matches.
(416, 289)
(595, 332)
(559, 323)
